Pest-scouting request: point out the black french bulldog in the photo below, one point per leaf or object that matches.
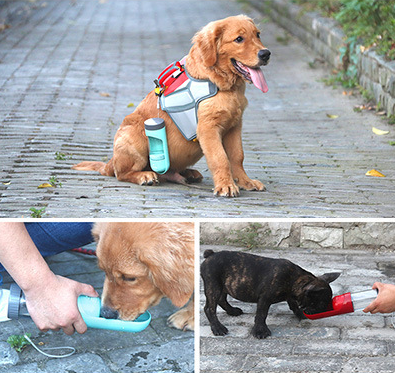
(265, 281)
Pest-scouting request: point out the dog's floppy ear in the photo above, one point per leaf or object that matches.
(172, 276)
(330, 277)
(206, 41)
(97, 227)
(170, 261)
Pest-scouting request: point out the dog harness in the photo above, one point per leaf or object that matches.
(179, 95)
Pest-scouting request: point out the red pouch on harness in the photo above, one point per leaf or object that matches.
(171, 78)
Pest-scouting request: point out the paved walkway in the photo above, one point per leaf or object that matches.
(355, 342)
(70, 69)
(158, 348)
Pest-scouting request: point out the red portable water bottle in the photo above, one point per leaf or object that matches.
(346, 303)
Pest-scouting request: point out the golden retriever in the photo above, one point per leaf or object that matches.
(229, 53)
(144, 262)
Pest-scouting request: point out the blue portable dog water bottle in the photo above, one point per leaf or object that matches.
(13, 306)
(158, 151)
(90, 311)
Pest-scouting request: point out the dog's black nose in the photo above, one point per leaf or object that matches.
(264, 55)
(108, 313)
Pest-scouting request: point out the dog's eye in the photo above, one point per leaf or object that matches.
(258, 34)
(239, 39)
(129, 279)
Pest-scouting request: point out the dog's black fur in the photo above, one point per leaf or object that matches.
(265, 281)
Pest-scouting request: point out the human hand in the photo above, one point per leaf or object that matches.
(53, 304)
(385, 301)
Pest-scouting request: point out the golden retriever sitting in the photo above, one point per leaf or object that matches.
(144, 262)
(229, 53)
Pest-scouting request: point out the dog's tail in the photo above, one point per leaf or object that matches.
(208, 253)
(106, 169)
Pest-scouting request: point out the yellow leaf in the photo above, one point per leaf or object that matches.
(104, 94)
(332, 116)
(6, 182)
(374, 173)
(46, 185)
(131, 104)
(379, 132)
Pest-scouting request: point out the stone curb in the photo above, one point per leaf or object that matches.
(325, 37)
(337, 236)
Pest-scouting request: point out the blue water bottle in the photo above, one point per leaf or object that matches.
(13, 306)
(158, 151)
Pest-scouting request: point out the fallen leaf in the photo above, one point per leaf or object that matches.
(131, 104)
(374, 173)
(6, 182)
(381, 113)
(332, 116)
(104, 94)
(379, 132)
(4, 26)
(46, 185)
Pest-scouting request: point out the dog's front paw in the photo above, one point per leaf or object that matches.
(182, 320)
(147, 178)
(227, 190)
(192, 176)
(249, 184)
(219, 329)
(261, 331)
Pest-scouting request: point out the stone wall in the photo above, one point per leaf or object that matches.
(325, 37)
(309, 235)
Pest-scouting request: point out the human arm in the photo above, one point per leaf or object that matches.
(385, 301)
(51, 300)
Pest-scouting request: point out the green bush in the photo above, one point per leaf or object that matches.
(371, 22)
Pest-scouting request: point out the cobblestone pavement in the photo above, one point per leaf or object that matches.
(70, 69)
(158, 348)
(355, 342)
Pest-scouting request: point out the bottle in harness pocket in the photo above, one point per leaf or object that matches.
(180, 95)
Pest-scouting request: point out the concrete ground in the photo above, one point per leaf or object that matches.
(355, 342)
(158, 348)
(72, 70)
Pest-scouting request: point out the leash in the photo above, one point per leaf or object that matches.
(84, 251)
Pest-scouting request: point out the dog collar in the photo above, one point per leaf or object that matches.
(180, 94)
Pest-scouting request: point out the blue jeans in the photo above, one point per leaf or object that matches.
(53, 238)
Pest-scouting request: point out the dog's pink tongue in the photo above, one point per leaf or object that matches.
(258, 79)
